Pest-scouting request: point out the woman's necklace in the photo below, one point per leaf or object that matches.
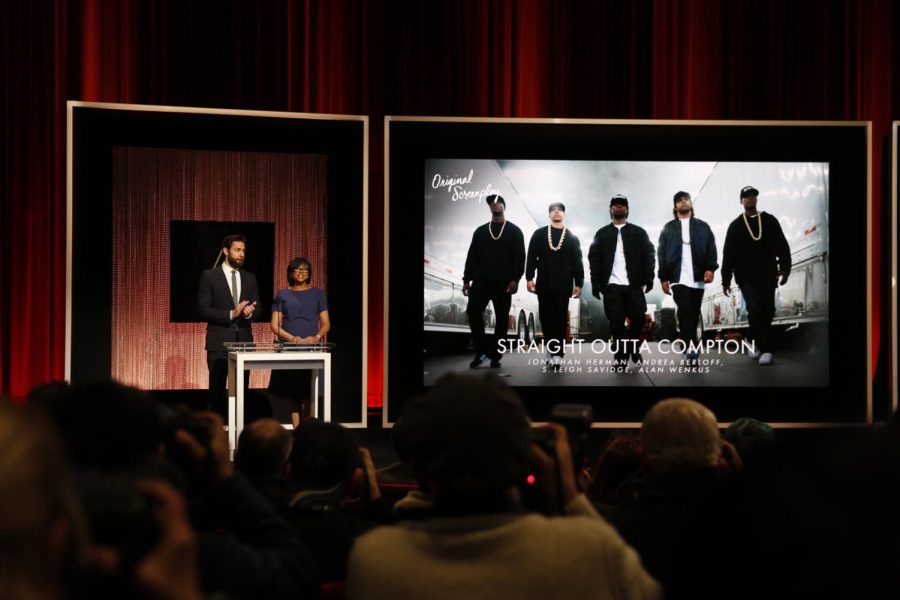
(755, 238)
(491, 231)
(550, 238)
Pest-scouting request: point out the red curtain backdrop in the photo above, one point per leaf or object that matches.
(664, 59)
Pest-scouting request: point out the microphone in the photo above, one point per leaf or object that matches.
(279, 302)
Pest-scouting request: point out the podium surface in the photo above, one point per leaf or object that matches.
(245, 356)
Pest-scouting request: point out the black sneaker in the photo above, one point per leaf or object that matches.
(637, 358)
(495, 363)
(476, 362)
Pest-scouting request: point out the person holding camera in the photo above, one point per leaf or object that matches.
(472, 444)
(333, 494)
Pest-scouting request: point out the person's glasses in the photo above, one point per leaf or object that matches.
(301, 270)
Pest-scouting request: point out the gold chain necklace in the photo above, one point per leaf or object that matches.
(550, 238)
(755, 238)
(491, 231)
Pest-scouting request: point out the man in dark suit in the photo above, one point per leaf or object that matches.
(227, 299)
(622, 262)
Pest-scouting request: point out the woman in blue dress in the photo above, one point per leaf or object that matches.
(299, 315)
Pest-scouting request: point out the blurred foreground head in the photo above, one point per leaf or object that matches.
(680, 434)
(41, 524)
(469, 438)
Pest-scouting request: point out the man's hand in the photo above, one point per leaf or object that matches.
(466, 288)
(531, 287)
(707, 276)
(547, 467)
(648, 286)
(365, 457)
(169, 570)
(239, 309)
(217, 455)
(512, 287)
(577, 292)
(248, 310)
(665, 288)
(731, 458)
(783, 277)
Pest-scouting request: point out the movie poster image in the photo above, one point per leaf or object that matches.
(723, 349)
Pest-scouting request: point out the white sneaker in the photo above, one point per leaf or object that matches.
(766, 358)
(755, 354)
(557, 360)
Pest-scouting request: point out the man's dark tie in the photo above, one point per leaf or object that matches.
(234, 287)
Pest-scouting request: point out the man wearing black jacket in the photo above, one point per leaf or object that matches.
(555, 253)
(758, 256)
(622, 262)
(494, 265)
(687, 261)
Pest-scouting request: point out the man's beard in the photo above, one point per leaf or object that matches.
(684, 211)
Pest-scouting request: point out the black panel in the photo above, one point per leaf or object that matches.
(96, 131)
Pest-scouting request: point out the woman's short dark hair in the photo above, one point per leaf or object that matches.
(296, 264)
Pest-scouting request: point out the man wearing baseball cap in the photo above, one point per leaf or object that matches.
(555, 253)
(687, 258)
(758, 256)
(494, 265)
(622, 261)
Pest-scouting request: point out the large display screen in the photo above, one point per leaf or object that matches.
(441, 173)
(455, 193)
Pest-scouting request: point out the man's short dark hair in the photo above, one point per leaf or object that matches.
(263, 449)
(228, 240)
(469, 435)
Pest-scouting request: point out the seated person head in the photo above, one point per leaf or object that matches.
(325, 456)
(679, 434)
(264, 450)
(108, 425)
(748, 434)
(619, 460)
(42, 524)
(470, 441)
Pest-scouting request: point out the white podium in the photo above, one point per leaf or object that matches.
(244, 358)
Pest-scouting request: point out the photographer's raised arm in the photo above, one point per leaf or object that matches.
(557, 475)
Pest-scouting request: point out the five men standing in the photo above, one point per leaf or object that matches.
(622, 262)
(687, 261)
(555, 253)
